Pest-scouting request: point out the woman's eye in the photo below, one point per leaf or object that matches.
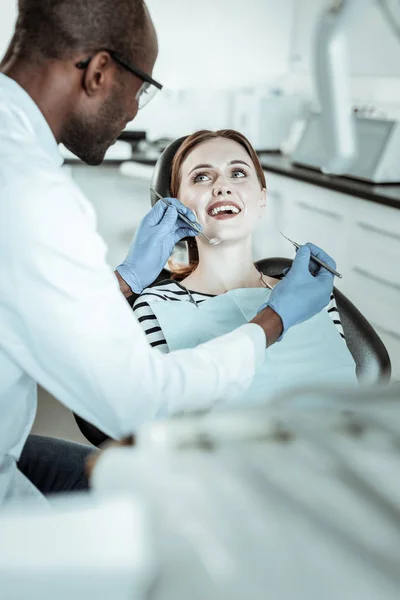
(199, 177)
(238, 173)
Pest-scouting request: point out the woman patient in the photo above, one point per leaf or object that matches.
(218, 175)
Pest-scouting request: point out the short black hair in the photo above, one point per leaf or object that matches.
(58, 29)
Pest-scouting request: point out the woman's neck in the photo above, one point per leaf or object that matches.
(224, 267)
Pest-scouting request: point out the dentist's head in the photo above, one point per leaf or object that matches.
(87, 64)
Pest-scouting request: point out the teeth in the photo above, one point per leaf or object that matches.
(219, 209)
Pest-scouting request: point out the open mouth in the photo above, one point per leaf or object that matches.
(223, 210)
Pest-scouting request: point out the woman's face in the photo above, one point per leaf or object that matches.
(219, 182)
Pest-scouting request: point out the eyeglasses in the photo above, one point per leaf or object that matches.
(147, 90)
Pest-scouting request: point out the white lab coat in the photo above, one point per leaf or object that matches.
(63, 320)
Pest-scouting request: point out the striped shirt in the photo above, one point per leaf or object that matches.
(172, 291)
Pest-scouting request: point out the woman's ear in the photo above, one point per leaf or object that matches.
(263, 198)
(263, 202)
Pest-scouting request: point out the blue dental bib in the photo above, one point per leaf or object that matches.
(310, 353)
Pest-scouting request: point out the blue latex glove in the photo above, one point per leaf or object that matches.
(302, 294)
(153, 243)
(314, 267)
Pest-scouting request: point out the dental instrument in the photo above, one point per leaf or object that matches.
(315, 258)
(194, 225)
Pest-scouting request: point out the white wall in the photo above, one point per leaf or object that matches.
(208, 49)
(221, 43)
(8, 13)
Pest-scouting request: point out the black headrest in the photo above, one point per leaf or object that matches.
(162, 171)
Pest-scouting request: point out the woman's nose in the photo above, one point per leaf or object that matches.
(222, 190)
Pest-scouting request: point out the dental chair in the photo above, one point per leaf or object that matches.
(368, 351)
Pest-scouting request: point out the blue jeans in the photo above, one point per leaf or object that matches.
(55, 465)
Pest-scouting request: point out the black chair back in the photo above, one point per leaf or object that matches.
(162, 171)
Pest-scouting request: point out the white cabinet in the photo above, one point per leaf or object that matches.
(362, 236)
(305, 213)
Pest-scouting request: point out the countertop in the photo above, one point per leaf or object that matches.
(388, 194)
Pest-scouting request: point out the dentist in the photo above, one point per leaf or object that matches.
(77, 72)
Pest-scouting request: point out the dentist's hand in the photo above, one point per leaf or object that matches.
(302, 294)
(153, 243)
